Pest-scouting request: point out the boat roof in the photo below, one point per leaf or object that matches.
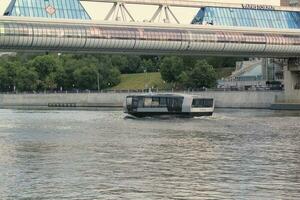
(165, 95)
(158, 95)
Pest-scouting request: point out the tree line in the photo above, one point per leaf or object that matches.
(57, 72)
(31, 72)
(197, 74)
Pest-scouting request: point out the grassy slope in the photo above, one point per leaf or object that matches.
(141, 81)
(147, 80)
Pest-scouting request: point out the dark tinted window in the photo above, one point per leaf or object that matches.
(174, 104)
(135, 101)
(162, 102)
(202, 103)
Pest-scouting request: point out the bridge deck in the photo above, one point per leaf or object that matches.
(36, 34)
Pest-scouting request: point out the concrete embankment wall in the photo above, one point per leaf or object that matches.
(242, 99)
(233, 99)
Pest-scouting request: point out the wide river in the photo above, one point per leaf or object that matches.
(235, 154)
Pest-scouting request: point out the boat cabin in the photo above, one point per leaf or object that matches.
(160, 104)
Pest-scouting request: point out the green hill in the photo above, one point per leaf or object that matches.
(141, 81)
(147, 80)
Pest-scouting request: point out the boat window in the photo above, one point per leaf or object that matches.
(162, 102)
(178, 102)
(135, 102)
(155, 102)
(129, 101)
(141, 102)
(147, 101)
(202, 103)
(174, 104)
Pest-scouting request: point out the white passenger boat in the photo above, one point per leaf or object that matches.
(168, 104)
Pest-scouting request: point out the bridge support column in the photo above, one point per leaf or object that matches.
(290, 99)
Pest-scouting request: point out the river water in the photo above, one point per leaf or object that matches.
(235, 154)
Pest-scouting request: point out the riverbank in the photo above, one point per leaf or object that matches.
(228, 99)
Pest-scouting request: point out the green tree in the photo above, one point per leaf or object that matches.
(61, 78)
(67, 80)
(134, 64)
(201, 75)
(119, 61)
(50, 81)
(4, 82)
(86, 77)
(148, 65)
(27, 79)
(100, 69)
(223, 62)
(113, 78)
(46, 66)
(11, 73)
(171, 68)
(109, 75)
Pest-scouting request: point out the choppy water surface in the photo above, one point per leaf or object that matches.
(236, 154)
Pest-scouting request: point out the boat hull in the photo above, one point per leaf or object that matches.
(175, 114)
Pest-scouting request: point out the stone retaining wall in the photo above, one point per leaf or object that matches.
(233, 99)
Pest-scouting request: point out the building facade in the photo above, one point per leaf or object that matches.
(295, 3)
(267, 17)
(256, 72)
(63, 9)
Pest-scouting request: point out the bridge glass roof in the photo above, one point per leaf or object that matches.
(248, 17)
(68, 9)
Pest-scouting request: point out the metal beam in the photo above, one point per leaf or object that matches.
(157, 12)
(128, 13)
(119, 11)
(111, 11)
(142, 24)
(187, 3)
(164, 10)
(180, 3)
(175, 18)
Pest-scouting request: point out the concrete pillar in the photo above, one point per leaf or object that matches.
(291, 85)
(290, 100)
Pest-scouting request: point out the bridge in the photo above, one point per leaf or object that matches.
(209, 33)
(30, 34)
